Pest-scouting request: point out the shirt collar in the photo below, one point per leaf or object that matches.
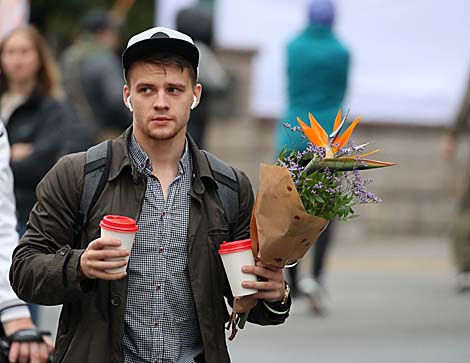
(143, 162)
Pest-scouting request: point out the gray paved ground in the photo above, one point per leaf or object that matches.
(389, 301)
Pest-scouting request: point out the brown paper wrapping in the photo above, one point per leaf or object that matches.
(281, 230)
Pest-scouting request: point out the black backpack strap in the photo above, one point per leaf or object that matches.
(96, 170)
(228, 190)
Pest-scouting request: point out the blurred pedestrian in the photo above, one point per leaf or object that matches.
(317, 76)
(461, 228)
(197, 22)
(93, 77)
(33, 112)
(170, 302)
(14, 314)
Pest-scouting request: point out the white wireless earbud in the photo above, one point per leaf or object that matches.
(194, 104)
(129, 104)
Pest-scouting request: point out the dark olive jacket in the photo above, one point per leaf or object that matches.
(91, 326)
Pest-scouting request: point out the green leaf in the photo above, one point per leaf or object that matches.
(345, 164)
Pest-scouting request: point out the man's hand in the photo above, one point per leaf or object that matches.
(271, 288)
(93, 264)
(24, 352)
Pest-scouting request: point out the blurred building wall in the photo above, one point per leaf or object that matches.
(409, 58)
(419, 194)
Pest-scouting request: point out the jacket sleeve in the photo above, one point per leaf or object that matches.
(8, 234)
(45, 263)
(263, 312)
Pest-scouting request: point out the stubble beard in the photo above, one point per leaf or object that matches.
(163, 135)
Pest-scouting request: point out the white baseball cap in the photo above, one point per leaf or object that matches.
(160, 39)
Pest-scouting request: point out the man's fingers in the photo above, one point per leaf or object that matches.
(272, 268)
(100, 243)
(263, 272)
(97, 255)
(14, 352)
(98, 274)
(264, 285)
(33, 352)
(106, 265)
(28, 352)
(23, 356)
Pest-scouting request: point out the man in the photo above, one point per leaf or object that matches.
(169, 305)
(14, 313)
(93, 77)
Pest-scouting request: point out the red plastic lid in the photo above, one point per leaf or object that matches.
(119, 223)
(235, 246)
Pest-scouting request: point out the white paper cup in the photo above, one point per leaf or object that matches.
(235, 255)
(123, 229)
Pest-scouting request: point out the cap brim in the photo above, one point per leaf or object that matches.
(149, 47)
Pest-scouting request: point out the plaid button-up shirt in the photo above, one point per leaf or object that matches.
(161, 323)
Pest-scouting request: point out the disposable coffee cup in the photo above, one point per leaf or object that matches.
(123, 229)
(235, 255)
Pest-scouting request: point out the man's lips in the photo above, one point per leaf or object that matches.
(160, 119)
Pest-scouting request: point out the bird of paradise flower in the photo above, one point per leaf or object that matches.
(334, 147)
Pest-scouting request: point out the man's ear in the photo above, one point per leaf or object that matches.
(196, 96)
(126, 96)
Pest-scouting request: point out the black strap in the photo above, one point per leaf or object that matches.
(97, 168)
(228, 189)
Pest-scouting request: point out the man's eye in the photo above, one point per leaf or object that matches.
(173, 90)
(146, 90)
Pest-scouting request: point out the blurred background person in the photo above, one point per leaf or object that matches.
(14, 314)
(461, 228)
(93, 78)
(317, 77)
(31, 107)
(197, 22)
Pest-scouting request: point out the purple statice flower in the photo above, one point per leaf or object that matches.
(361, 194)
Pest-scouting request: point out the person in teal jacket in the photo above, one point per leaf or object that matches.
(317, 77)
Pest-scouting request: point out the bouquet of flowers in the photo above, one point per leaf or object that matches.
(306, 189)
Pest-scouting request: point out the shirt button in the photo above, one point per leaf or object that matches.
(158, 287)
(161, 249)
(155, 325)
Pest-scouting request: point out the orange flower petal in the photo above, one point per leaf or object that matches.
(319, 130)
(337, 121)
(310, 133)
(345, 136)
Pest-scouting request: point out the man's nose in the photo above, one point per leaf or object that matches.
(160, 100)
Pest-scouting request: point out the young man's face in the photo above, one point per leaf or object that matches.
(161, 98)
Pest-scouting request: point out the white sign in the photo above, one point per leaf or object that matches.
(410, 58)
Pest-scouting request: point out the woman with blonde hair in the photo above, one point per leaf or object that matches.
(32, 108)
